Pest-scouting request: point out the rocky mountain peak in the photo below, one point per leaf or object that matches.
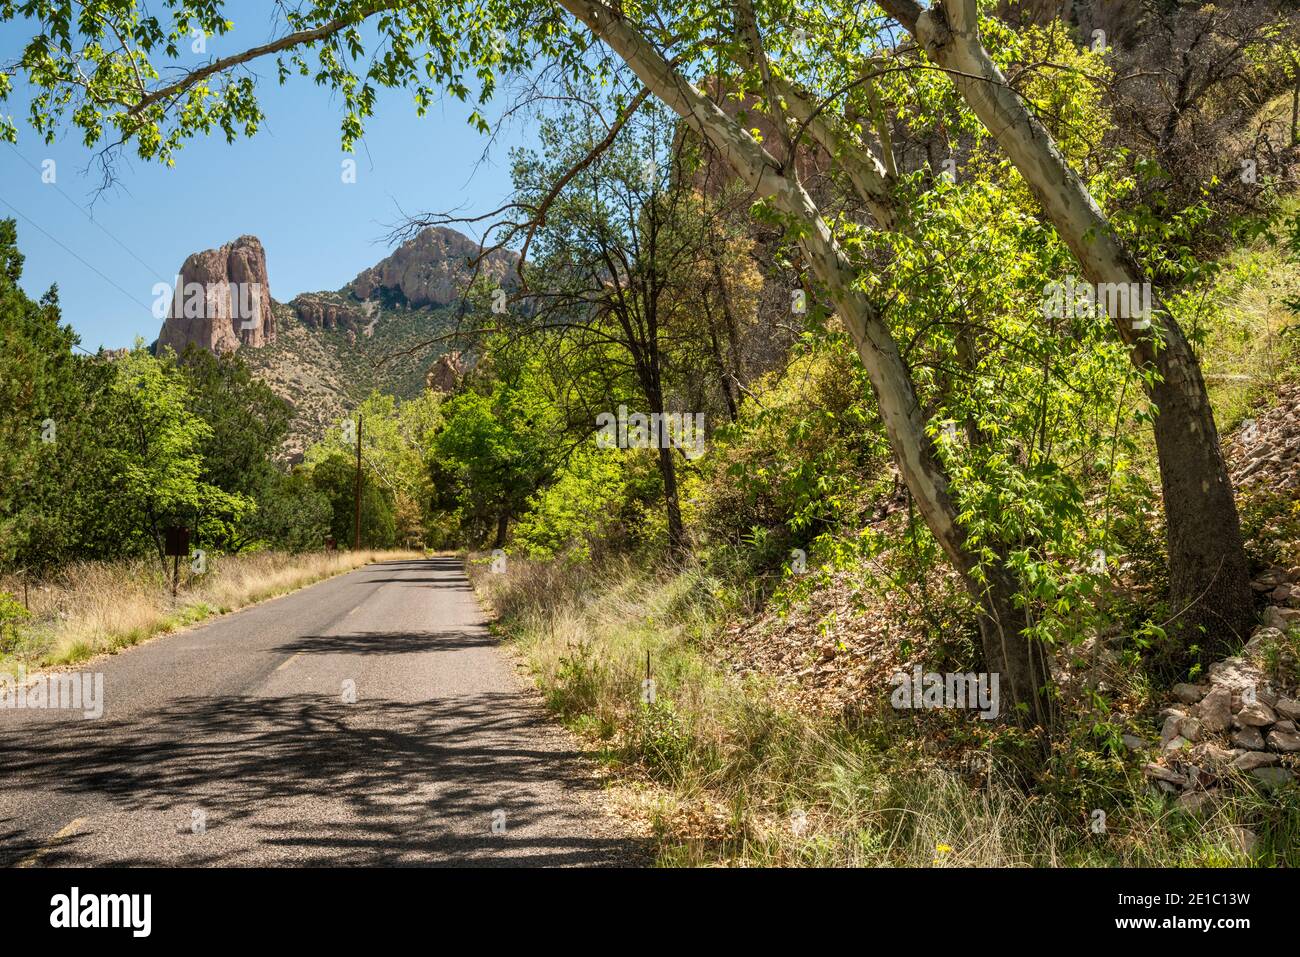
(330, 311)
(221, 300)
(431, 269)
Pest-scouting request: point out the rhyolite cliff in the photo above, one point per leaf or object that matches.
(222, 300)
(324, 352)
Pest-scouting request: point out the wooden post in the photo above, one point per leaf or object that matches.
(356, 525)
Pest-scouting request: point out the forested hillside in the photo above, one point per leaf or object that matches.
(873, 425)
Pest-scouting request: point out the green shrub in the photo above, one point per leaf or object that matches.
(12, 619)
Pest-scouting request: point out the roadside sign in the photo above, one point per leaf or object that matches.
(178, 541)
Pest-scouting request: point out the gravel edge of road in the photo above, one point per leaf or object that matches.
(602, 791)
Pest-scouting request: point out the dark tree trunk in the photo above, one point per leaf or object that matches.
(891, 380)
(1210, 590)
(503, 526)
(733, 329)
(672, 504)
(725, 381)
(1295, 113)
(1209, 580)
(1019, 661)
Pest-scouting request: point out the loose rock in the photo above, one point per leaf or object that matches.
(1213, 754)
(1250, 738)
(1257, 715)
(1242, 838)
(1193, 802)
(1271, 578)
(1282, 619)
(1272, 777)
(1161, 773)
(1284, 741)
(1257, 641)
(1236, 674)
(1288, 708)
(1169, 730)
(1215, 710)
(1255, 759)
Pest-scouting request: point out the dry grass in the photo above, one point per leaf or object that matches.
(92, 608)
(722, 771)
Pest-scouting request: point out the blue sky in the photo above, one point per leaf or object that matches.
(283, 186)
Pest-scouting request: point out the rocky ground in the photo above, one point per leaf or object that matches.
(1242, 720)
(838, 643)
(1264, 452)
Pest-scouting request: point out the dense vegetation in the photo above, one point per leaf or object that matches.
(125, 446)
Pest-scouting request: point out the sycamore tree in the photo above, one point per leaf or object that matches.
(829, 75)
(1208, 568)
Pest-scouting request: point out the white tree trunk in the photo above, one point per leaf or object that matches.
(1208, 567)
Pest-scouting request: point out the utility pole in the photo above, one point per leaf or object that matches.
(356, 526)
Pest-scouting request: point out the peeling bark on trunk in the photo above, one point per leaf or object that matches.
(1209, 575)
(1020, 662)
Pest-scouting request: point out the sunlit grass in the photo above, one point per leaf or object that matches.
(92, 608)
(725, 774)
(1247, 349)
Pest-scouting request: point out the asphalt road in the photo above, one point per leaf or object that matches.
(232, 744)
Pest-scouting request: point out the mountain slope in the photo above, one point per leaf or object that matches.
(324, 352)
(325, 372)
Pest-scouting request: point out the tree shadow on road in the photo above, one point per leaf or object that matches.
(309, 779)
(388, 643)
